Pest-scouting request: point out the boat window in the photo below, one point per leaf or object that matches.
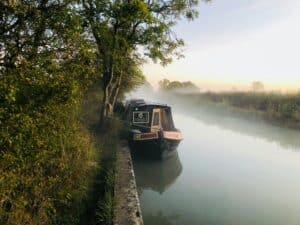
(140, 117)
(166, 120)
(156, 119)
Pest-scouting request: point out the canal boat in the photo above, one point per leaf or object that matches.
(151, 128)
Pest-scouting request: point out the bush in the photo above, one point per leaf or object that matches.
(46, 153)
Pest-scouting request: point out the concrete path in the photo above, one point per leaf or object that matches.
(127, 205)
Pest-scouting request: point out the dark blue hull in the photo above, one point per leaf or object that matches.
(154, 148)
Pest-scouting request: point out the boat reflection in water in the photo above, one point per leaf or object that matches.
(157, 175)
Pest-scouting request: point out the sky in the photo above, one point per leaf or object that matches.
(235, 42)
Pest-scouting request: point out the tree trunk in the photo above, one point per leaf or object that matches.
(108, 77)
(107, 88)
(117, 89)
(103, 112)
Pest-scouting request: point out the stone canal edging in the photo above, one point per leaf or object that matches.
(127, 205)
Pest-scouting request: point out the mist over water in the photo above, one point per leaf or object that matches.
(230, 170)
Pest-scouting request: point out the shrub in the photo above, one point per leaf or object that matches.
(46, 153)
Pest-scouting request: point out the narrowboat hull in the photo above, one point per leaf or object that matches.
(156, 147)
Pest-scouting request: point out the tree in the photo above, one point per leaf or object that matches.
(190, 85)
(124, 28)
(257, 86)
(166, 85)
(175, 85)
(163, 84)
(129, 74)
(33, 29)
(132, 79)
(44, 63)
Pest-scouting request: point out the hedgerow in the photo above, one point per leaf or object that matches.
(46, 153)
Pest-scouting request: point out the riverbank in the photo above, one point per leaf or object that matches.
(100, 197)
(99, 205)
(278, 109)
(113, 197)
(127, 206)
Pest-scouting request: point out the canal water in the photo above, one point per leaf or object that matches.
(228, 171)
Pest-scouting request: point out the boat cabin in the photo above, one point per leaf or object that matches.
(149, 117)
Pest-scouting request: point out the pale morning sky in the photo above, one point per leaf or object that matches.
(234, 42)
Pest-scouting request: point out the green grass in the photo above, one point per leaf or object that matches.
(105, 205)
(100, 202)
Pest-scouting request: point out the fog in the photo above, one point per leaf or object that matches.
(231, 169)
(225, 118)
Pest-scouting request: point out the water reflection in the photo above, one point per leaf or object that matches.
(228, 179)
(160, 219)
(157, 175)
(237, 171)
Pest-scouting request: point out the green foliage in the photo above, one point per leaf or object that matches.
(132, 31)
(133, 79)
(46, 153)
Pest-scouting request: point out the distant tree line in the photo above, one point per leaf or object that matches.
(257, 86)
(283, 109)
(167, 85)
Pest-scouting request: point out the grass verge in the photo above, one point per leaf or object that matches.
(100, 203)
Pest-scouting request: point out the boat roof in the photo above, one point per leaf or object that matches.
(142, 102)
